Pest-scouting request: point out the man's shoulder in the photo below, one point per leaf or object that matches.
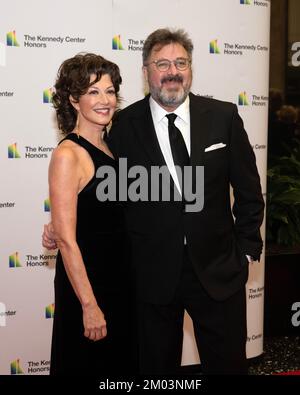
(211, 103)
(122, 122)
(135, 109)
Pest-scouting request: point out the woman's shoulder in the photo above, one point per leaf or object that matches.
(67, 151)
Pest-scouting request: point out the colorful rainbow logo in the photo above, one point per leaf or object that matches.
(243, 100)
(248, 2)
(47, 95)
(49, 311)
(14, 260)
(15, 367)
(13, 152)
(47, 205)
(116, 42)
(213, 47)
(11, 39)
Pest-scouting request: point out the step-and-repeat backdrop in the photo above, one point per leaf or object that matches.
(231, 57)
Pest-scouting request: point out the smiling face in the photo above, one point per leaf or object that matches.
(96, 107)
(168, 88)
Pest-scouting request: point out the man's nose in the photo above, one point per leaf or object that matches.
(172, 69)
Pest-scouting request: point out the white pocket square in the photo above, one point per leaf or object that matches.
(214, 146)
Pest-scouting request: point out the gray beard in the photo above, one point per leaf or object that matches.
(170, 98)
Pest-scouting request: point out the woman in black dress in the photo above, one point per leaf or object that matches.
(92, 323)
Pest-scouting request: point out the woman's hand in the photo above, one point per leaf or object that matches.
(94, 323)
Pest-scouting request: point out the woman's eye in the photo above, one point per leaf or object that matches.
(111, 92)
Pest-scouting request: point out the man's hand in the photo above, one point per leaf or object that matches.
(48, 237)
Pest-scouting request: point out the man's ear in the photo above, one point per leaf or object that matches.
(74, 103)
(146, 84)
(145, 72)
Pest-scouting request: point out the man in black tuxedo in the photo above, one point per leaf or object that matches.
(197, 261)
(184, 260)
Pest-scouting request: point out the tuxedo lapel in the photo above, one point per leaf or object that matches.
(146, 135)
(147, 138)
(201, 122)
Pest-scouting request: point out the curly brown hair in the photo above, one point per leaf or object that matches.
(73, 78)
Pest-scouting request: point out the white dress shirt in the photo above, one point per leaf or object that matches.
(182, 122)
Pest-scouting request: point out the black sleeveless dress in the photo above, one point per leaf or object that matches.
(104, 246)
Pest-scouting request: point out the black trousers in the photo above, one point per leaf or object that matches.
(220, 329)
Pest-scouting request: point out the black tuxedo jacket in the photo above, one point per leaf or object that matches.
(218, 237)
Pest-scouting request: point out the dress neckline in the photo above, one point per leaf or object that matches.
(75, 138)
(92, 145)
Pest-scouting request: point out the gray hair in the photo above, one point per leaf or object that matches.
(161, 37)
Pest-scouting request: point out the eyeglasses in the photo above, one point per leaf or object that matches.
(181, 64)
